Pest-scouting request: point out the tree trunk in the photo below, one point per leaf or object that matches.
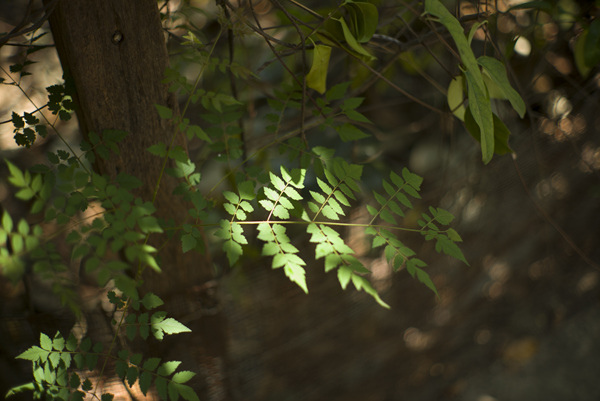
(115, 53)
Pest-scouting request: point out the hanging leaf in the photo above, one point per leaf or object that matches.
(456, 97)
(501, 133)
(479, 101)
(496, 71)
(364, 18)
(317, 77)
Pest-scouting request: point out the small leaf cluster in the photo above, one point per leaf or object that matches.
(282, 106)
(103, 145)
(144, 324)
(278, 245)
(26, 127)
(445, 240)
(65, 190)
(31, 48)
(15, 244)
(60, 101)
(54, 363)
(287, 199)
(396, 191)
(194, 53)
(224, 132)
(169, 383)
(340, 186)
(210, 100)
(238, 206)
(20, 68)
(58, 364)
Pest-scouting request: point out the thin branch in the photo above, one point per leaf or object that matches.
(19, 30)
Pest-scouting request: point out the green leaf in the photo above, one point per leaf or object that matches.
(344, 275)
(592, 43)
(186, 392)
(16, 177)
(168, 368)
(329, 212)
(424, 278)
(443, 216)
(132, 375)
(145, 382)
(453, 235)
(34, 353)
(158, 149)
(414, 180)
(271, 194)
(20, 389)
(477, 94)
(481, 110)
(179, 154)
(349, 132)
(317, 77)
(270, 249)
(188, 242)
(501, 133)
(151, 364)
(164, 112)
(388, 217)
(196, 131)
(231, 197)
(171, 326)
(237, 233)
(456, 97)
(579, 53)
(161, 388)
(45, 342)
(372, 211)
(127, 285)
(352, 42)
(277, 182)
(265, 232)
(323, 249)
(246, 190)
(183, 377)
(364, 19)
(296, 274)
(58, 343)
(445, 245)
(497, 73)
(233, 251)
(337, 92)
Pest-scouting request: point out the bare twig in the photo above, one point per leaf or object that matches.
(20, 29)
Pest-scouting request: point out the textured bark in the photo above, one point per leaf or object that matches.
(115, 53)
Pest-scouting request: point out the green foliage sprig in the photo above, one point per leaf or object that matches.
(60, 365)
(306, 194)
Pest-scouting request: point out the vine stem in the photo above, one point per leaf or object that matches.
(327, 223)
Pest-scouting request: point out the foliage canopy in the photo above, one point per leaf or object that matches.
(283, 138)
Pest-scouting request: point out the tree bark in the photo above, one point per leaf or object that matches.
(114, 51)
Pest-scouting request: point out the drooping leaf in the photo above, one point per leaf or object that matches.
(456, 97)
(501, 133)
(497, 73)
(317, 76)
(364, 19)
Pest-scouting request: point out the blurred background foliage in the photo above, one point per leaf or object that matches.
(520, 323)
